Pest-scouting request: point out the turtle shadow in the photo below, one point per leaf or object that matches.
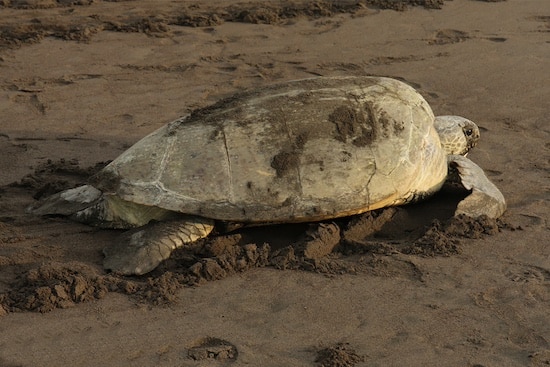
(395, 225)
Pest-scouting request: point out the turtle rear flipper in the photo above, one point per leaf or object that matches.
(485, 199)
(68, 202)
(140, 250)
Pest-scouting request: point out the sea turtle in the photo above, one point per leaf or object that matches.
(304, 150)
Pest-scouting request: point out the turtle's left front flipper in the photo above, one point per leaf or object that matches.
(485, 199)
(142, 249)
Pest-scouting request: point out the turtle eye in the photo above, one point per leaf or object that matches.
(468, 132)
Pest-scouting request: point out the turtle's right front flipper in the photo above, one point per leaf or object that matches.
(485, 199)
(140, 250)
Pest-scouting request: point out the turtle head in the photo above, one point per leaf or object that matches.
(457, 134)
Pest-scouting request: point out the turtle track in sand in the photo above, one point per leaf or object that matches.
(20, 32)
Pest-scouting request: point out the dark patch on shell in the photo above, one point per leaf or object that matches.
(346, 156)
(398, 127)
(173, 126)
(220, 105)
(384, 124)
(284, 162)
(289, 159)
(388, 126)
(216, 134)
(353, 124)
(105, 180)
(301, 140)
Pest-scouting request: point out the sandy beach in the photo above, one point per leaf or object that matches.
(81, 81)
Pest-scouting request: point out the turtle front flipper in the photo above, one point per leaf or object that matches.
(485, 199)
(141, 250)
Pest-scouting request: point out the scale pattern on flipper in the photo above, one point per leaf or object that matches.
(141, 250)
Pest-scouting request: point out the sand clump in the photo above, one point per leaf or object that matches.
(340, 355)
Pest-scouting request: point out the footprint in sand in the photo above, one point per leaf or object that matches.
(524, 273)
(448, 36)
